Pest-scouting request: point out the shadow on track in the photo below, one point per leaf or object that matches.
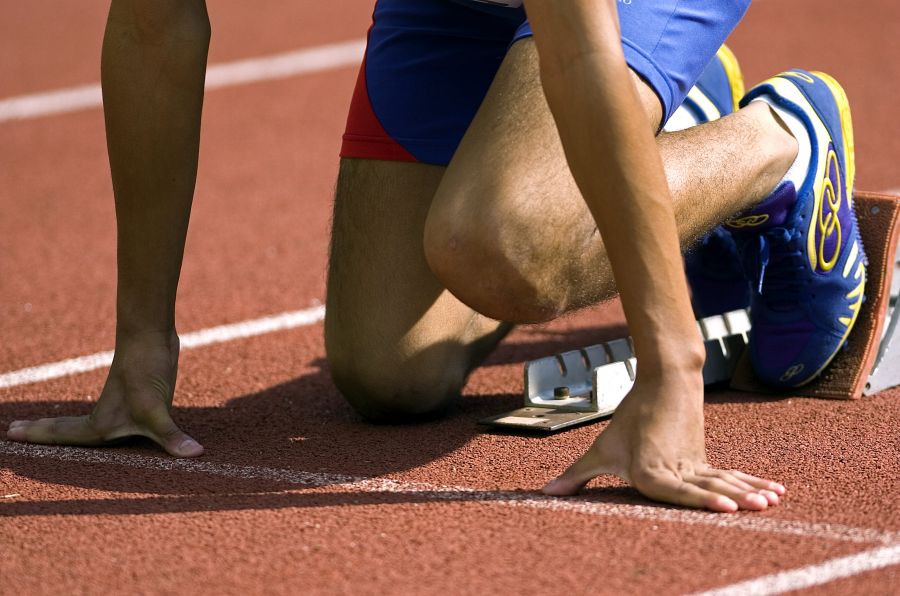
(307, 499)
(301, 425)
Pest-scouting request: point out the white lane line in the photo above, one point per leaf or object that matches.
(195, 339)
(813, 575)
(820, 531)
(242, 72)
(172, 464)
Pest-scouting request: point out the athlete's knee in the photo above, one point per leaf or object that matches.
(486, 252)
(154, 22)
(396, 384)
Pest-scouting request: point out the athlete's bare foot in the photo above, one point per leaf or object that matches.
(135, 402)
(655, 442)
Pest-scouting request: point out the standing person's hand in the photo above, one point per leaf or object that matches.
(136, 401)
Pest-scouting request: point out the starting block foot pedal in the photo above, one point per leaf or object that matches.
(583, 385)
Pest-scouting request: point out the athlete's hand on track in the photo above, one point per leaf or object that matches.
(135, 402)
(655, 442)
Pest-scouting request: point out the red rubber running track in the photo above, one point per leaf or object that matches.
(296, 493)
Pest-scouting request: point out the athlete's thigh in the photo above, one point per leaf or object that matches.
(509, 200)
(509, 180)
(427, 66)
(379, 285)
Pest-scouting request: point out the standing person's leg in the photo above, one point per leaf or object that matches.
(153, 65)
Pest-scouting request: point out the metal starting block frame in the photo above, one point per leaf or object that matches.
(886, 371)
(589, 383)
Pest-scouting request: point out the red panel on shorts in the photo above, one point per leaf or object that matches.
(364, 136)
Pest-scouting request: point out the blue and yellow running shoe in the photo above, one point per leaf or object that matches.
(801, 246)
(713, 266)
(714, 272)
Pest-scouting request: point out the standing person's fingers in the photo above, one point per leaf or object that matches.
(162, 429)
(68, 430)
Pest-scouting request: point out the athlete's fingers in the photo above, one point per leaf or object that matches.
(587, 467)
(68, 430)
(760, 483)
(745, 499)
(731, 478)
(671, 489)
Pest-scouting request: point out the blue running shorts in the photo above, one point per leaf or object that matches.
(429, 63)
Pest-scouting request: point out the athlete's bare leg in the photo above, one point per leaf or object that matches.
(505, 229)
(399, 345)
(508, 204)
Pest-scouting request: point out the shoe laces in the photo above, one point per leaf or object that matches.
(780, 266)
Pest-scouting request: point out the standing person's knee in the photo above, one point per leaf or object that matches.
(396, 385)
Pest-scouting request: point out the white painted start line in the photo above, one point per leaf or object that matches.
(230, 74)
(813, 575)
(196, 339)
(886, 553)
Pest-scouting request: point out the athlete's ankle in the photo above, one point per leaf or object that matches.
(777, 138)
(773, 143)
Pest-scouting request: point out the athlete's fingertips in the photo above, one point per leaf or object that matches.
(771, 496)
(756, 501)
(16, 423)
(723, 504)
(186, 447)
(189, 448)
(777, 488)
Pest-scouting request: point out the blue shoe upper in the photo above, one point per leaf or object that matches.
(801, 247)
(821, 104)
(717, 280)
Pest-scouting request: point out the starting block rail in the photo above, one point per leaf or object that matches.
(589, 383)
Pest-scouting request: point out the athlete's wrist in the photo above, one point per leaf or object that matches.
(667, 356)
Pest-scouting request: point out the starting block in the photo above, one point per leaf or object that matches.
(587, 384)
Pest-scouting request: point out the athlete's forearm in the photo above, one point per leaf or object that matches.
(615, 162)
(153, 70)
